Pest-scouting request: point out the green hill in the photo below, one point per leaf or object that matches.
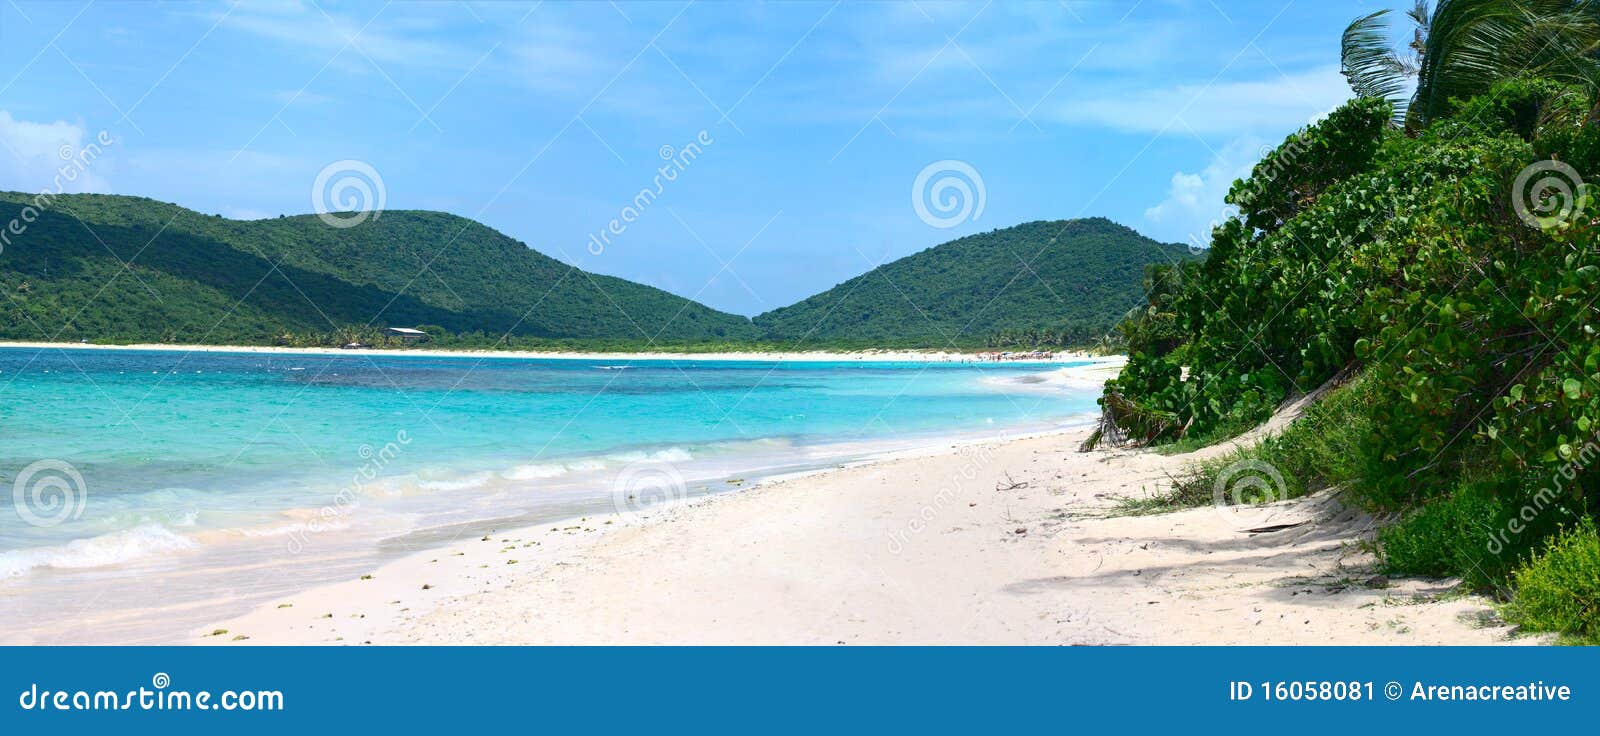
(1055, 283)
(194, 278)
(130, 269)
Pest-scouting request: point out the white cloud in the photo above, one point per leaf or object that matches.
(1276, 106)
(396, 40)
(36, 157)
(560, 58)
(1194, 201)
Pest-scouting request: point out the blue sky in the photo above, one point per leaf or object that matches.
(544, 120)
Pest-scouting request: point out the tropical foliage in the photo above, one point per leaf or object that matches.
(1459, 48)
(1452, 265)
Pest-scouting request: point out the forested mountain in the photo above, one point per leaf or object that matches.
(129, 269)
(1054, 283)
(119, 269)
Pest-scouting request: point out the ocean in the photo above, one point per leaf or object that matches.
(201, 483)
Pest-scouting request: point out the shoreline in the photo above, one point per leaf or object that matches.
(817, 356)
(204, 549)
(176, 629)
(998, 541)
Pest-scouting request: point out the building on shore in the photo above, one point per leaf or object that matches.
(406, 334)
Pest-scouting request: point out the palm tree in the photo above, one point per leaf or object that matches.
(1460, 48)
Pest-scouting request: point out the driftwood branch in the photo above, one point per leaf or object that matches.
(1010, 485)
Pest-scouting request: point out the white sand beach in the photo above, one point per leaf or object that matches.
(1011, 541)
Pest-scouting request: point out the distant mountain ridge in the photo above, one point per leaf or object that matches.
(110, 268)
(195, 278)
(1056, 282)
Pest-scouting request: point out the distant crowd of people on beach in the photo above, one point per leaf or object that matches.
(1034, 355)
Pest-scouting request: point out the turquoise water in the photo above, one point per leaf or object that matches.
(218, 440)
(164, 458)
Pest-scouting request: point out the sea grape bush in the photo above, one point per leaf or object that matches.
(1248, 309)
(1400, 257)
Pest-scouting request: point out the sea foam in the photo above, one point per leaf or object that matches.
(106, 549)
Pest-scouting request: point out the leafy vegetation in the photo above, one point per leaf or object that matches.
(1560, 589)
(1036, 285)
(1460, 48)
(1452, 263)
(1324, 447)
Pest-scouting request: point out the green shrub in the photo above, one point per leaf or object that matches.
(1324, 447)
(1528, 107)
(1481, 533)
(1559, 590)
(1454, 265)
(1443, 538)
(1578, 147)
(1327, 445)
(1264, 317)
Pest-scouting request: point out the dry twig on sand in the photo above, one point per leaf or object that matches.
(1010, 485)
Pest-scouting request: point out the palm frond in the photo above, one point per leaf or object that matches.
(1419, 15)
(1471, 44)
(1370, 65)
